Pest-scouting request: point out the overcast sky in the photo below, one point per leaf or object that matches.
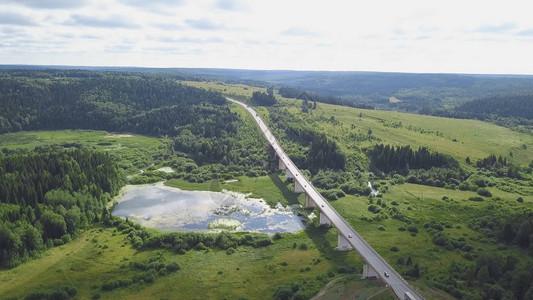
(466, 36)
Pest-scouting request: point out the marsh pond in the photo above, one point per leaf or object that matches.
(172, 209)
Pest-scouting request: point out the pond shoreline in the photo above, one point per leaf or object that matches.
(173, 209)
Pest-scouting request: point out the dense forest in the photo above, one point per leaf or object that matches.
(262, 99)
(296, 93)
(199, 122)
(48, 196)
(319, 153)
(116, 102)
(401, 159)
(507, 105)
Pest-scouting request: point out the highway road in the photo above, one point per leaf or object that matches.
(371, 257)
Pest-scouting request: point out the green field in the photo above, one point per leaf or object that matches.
(102, 254)
(456, 137)
(459, 138)
(132, 152)
(271, 188)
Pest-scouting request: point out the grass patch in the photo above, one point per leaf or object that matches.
(132, 152)
(271, 188)
(247, 272)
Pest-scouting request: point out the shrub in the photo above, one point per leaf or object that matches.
(172, 267)
(349, 269)
(373, 208)
(303, 246)
(520, 199)
(277, 236)
(484, 192)
(200, 246)
(412, 228)
(230, 251)
(401, 260)
(467, 248)
(59, 295)
(476, 199)
(283, 292)
(139, 265)
(394, 249)
(440, 239)
(36, 296)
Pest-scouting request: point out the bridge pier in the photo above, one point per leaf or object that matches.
(281, 165)
(342, 244)
(298, 188)
(309, 201)
(288, 174)
(324, 220)
(369, 272)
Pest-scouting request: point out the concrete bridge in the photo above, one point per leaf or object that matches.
(348, 238)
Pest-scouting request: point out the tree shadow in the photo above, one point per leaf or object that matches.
(291, 197)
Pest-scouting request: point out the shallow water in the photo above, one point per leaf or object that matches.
(172, 209)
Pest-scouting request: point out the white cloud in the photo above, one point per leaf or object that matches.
(231, 5)
(298, 31)
(109, 22)
(12, 18)
(203, 24)
(49, 4)
(408, 36)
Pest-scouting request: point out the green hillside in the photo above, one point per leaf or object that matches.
(448, 233)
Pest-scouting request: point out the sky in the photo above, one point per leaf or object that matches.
(427, 36)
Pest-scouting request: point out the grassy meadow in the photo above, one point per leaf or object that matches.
(459, 138)
(132, 152)
(103, 254)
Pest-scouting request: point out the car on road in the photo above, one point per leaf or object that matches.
(349, 235)
(386, 274)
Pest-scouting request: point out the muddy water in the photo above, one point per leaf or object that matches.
(172, 209)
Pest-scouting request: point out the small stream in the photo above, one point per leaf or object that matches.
(172, 209)
(373, 191)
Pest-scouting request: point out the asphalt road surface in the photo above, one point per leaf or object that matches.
(371, 257)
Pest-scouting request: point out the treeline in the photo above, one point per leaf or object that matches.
(45, 198)
(517, 105)
(500, 167)
(181, 242)
(402, 159)
(262, 99)
(114, 102)
(320, 153)
(516, 230)
(291, 92)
